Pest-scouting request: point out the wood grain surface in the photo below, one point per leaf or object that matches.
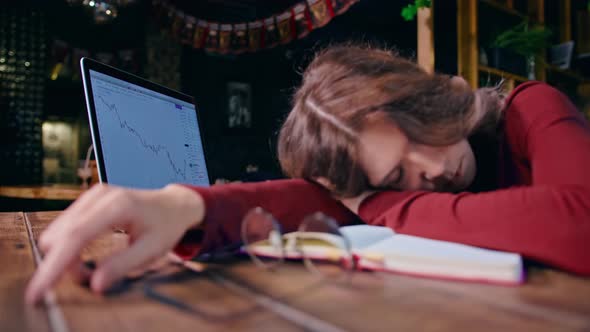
(128, 309)
(241, 296)
(17, 266)
(549, 301)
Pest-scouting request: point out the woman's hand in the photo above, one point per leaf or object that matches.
(155, 221)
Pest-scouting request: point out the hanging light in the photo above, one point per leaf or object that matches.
(102, 10)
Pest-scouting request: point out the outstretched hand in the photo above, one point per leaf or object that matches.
(154, 219)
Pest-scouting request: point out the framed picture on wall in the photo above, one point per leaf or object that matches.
(239, 105)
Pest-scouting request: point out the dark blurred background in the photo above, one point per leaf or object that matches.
(57, 33)
(44, 132)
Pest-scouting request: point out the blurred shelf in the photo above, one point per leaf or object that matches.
(49, 192)
(504, 8)
(568, 72)
(501, 73)
(583, 91)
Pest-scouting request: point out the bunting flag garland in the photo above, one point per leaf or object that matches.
(201, 33)
(286, 25)
(212, 42)
(321, 12)
(225, 32)
(294, 23)
(239, 38)
(271, 33)
(255, 35)
(302, 20)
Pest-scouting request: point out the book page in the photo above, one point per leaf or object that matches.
(440, 252)
(326, 244)
(319, 245)
(313, 239)
(362, 236)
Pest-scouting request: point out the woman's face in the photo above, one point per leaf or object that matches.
(392, 161)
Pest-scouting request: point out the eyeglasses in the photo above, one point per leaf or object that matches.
(318, 242)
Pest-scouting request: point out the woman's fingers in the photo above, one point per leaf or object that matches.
(116, 267)
(68, 241)
(57, 260)
(80, 206)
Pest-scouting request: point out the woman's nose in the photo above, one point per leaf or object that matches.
(433, 170)
(430, 165)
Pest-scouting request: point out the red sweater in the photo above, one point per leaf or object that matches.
(541, 208)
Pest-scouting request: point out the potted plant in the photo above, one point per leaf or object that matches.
(516, 49)
(410, 11)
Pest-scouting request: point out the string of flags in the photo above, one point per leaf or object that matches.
(233, 38)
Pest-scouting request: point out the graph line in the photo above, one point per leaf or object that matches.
(154, 148)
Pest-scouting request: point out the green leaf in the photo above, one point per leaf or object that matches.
(523, 39)
(409, 12)
(422, 3)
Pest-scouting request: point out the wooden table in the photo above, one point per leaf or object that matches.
(241, 297)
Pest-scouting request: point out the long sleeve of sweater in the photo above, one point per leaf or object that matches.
(289, 201)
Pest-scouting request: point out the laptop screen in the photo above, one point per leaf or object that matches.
(148, 139)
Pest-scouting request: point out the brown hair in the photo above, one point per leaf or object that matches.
(346, 85)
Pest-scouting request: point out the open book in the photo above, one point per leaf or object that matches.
(380, 248)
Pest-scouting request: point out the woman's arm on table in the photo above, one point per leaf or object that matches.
(156, 220)
(289, 201)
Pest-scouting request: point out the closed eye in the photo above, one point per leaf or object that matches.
(398, 179)
(392, 180)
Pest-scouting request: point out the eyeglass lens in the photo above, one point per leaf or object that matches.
(262, 238)
(325, 250)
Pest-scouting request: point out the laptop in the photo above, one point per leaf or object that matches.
(144, 135)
